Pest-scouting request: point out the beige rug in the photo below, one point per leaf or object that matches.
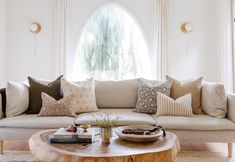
(183, 156)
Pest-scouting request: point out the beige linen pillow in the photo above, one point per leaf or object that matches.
(17, 96)
(181, 88)
(214, 99)
(179, 107)
(52, 107)
(84, 92)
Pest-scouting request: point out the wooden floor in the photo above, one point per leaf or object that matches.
(214, 147)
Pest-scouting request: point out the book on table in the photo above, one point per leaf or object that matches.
(63, 136)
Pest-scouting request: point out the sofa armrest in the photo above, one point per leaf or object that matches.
(231, 107)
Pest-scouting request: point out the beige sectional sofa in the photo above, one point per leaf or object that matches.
(119, 98)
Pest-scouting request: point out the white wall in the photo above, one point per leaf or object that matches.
(2, 41)
(21, 60)
(204, 57)
(204, 44)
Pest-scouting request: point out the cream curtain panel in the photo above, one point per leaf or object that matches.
(60, 35)
(227, 53)
(163, 37)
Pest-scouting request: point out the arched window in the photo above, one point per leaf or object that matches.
(112, 46)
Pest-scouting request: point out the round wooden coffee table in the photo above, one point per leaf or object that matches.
(163, 150)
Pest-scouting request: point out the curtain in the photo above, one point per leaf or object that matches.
(60, 36)
(163, 37)
(227, 56)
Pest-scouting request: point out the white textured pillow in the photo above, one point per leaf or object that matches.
(17, 98)
(214, 99)
(179, 107)
(84, 92)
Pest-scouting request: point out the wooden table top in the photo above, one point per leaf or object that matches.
(163, 150)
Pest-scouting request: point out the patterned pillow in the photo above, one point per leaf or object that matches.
(52, 107)
(147, 95)
(179, 107)
(84, 92)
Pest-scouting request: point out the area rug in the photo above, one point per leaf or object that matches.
(183, 156)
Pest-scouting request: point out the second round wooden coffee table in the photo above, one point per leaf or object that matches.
(163, 150)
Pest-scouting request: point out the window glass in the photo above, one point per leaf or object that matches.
(111, 47)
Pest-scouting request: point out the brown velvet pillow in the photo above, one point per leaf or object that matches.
(36, 88)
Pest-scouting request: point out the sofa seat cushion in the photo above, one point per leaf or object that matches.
(33, 121)
(197, 122)
(125, 117)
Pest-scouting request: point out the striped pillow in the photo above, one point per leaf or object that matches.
(179, 107)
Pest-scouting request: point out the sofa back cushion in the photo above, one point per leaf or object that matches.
(117, 94)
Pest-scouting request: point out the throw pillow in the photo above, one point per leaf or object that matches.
(36, 88)
(3, 94)
(1, 112)
(17, 96)
(214, 99)
(193, 86)
(84, 92)
(52, 107)
(147, 95)
(179, 107)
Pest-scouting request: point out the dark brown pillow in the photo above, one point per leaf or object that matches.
(3, 93)
(36, 88)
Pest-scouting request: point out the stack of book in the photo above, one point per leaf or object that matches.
(63, 136)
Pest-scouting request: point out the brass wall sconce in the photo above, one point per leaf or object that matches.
(35, 28)
(187, 27)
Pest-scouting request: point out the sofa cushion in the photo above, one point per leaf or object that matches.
(33, 121)
(181, 88)
(17, 98)
(170, 107)
(125, 117)
(116, 94)
(198, 122)
(214, 99)
(36, 88)
(3, 94)
(84, 94)
(52, 107)
(147, 95)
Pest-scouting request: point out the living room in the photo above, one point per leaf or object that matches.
(121, 66)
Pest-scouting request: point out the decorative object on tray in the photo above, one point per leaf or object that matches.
(105, 122)
(85, 127)
(140, 133)
(72, 134)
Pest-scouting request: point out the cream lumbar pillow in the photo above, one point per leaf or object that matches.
(17, 96)
(193, 86)
(179, 107)
(84, 92)
(52, 107)
(214, 99)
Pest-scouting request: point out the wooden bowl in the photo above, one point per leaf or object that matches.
(138, 138)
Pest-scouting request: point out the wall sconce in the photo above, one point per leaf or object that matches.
(35, 27)
(187, 27)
